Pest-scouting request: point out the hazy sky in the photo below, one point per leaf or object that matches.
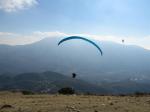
(25, 21)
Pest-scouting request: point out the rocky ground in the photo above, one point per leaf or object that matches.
(16, 102)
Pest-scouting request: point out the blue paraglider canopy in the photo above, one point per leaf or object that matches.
(82, 38)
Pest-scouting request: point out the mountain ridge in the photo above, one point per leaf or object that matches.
(119, 61)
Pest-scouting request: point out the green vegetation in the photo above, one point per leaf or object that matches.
(27, 92)
(46, 82)
(66, 91)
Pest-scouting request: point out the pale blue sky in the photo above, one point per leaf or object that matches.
(130, 18)
(117, 17)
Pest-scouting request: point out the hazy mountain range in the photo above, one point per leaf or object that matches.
(124, 64)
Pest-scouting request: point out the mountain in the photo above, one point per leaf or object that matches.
(46, 82)
(51, 82)
(119, 65)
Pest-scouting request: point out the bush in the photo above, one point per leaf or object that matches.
(27, 92)
(66, 91)
(6, 106)
(140, 93)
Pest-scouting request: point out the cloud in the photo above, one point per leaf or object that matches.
(20, 39)
(138, 41)
(49, 34)
(15, 5)
(6, 34)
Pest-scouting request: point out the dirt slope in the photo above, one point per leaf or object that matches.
(16, 102)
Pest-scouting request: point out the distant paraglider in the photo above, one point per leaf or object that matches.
(122, 40)
(82, 38)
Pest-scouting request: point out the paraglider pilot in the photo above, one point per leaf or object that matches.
(74, 75)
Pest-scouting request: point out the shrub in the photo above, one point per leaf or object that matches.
(24, 92)
(66, 90)
(6, 106)
(140, 93)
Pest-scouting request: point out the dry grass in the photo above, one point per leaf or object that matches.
(72, 103)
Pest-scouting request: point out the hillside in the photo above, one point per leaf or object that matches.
(119, 62)
(46, 82)
(121, 69)
(72, 103)
(51, 82)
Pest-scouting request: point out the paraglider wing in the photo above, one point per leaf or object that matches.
(82, 38)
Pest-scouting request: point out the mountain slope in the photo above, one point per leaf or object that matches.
(51, 82)
(119, 62)
(47, 82)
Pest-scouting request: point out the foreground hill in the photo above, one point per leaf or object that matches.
(58, 103)
(46, 82)
(51, 82)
